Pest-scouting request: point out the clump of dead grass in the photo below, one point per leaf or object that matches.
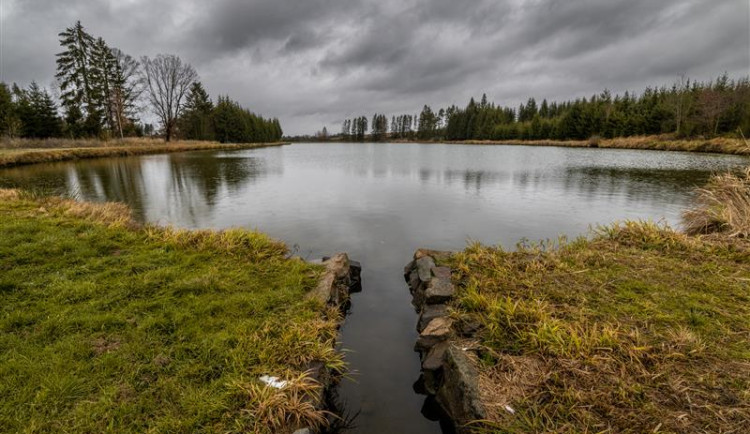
(269, 409)
(9, 194)
(722, 207)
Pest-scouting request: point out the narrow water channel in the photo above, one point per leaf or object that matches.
(379, 202)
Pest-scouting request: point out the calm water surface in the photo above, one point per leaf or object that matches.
(379, 202)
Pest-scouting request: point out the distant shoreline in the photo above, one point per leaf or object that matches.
(38, 153)
(654, 143)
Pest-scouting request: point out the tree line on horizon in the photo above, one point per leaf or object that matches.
(102, 92)
(686, 109)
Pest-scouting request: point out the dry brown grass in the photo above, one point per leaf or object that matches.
(281, 410)
(723, 207)
(9, 194)
(63, 143)
(110, 213)
(636, 329)
(24, 152)
(720, 145)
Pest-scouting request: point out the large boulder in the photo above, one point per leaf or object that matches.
(337, 280)
(432, 368)
(459, 391)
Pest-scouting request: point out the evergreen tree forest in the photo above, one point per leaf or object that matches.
(687, 109)
(101, 92)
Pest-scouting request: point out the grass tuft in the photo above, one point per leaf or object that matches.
(271, 410)
(723, 207)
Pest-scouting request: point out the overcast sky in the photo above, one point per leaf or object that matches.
(315, 62)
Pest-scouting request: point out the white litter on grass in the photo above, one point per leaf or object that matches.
(509, 409)
(273, 381)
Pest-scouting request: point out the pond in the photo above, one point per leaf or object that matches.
(380, 202)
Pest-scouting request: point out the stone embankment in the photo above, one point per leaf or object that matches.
(340, 279)
(448, 371)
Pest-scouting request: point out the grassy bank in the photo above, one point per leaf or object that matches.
(636, 328)
(720, 145)
(24, 152)
(109, 326)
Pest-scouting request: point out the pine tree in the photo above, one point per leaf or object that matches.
(7, 111)
(101, 74)
(195, 122)
(36, 112)
(73, 74)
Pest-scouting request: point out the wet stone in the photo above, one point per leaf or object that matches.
(459, 390)
(424, 268)
(430, 312)
(437, 331)
(414, 281)
(439, 291)
(408, 268)
(432, 368)
(441, 272)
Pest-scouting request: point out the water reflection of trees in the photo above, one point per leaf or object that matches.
(189, 184)
(586, 182)
(207, 176)
(110, 180)
(198, 181)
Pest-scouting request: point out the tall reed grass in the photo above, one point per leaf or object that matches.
(722, 207)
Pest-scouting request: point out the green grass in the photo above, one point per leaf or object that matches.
(107, 326)
(637, 328)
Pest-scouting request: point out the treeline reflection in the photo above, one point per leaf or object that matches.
(191, 183)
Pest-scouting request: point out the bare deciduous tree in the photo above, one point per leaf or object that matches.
(167, 82)
(127, 89)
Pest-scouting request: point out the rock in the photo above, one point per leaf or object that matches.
(333, 287)
(430, 312)
(408, 268)
(355, 276)
(437, 255)
(432, 368)
(441, 272)
(303, 431)
(414, 281)
(438, 330)
(468, 326)
(439, 291)
(459, 392)
(424, 267)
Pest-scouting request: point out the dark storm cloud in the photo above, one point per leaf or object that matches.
(315, 62)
